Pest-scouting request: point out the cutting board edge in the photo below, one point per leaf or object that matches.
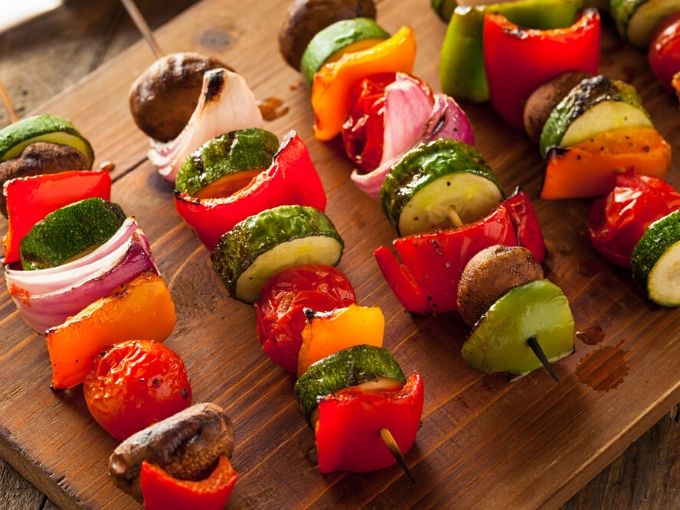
(23, 462)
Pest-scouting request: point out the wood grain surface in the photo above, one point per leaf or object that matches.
(484, 442)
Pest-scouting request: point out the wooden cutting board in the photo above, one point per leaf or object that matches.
(484, 442)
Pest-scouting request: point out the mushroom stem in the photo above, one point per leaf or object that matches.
(7, 102)
(393, 447)
(142, 26)
(453, 217)
(536, 347)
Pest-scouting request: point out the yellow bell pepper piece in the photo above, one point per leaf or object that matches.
(141, 310)
(331, 85)
(340, 329)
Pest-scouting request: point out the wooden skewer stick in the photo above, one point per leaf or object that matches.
(142, 26)
(7, 102)
(536, 347)
(393, 447)
(454, 218)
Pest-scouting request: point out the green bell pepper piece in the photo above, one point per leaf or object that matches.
(461, 70)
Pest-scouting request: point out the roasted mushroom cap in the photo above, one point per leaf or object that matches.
(164, 96)
(545, 98)
(490, 274)
(305, 18)
(187, 445)
(40, 158)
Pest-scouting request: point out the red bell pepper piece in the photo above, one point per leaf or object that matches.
(527, 228)
(30, 199)
(349, 423)
(363, 133)
(364, 129)
(407, 289)
(290, 180)
(426, 280)
(618, 221)
(163, 492)
(519, 60)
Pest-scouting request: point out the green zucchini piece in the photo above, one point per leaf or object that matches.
(637, 20)
(656, 259)
(42, 128)
(622, 11)
(269, 242)
(498, 342)
(647, 18)
(435, 181)
(212, 169)
(337, 37)
(70, 232)
(595, 105)
(349, 367)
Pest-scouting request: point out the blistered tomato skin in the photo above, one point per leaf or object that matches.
(664, 51)
(280, 309)
(135, 384)
(618, 221)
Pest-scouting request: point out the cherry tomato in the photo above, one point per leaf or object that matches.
(664, 51)
(135, 384)
(618, 221)
(280, 309)
(364, 128)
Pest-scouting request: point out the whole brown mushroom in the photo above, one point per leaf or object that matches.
(490, 274)
(187, 445)
(545, 98)
(305, 18)
(164, 96)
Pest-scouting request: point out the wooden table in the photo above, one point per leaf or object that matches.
(86, 34)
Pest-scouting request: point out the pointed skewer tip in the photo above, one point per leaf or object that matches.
(393, 447)
(538, 351)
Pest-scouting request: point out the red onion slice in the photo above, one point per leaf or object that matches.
(447, 120)
(408, 107)
(47, 297)
(45, 280)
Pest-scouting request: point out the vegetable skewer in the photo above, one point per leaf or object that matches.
(234, 217)
(82, 274)
(434, 187)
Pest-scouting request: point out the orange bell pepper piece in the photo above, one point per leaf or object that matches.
(589, 168)
(142, 309)
(329, 332)
(332, 83)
